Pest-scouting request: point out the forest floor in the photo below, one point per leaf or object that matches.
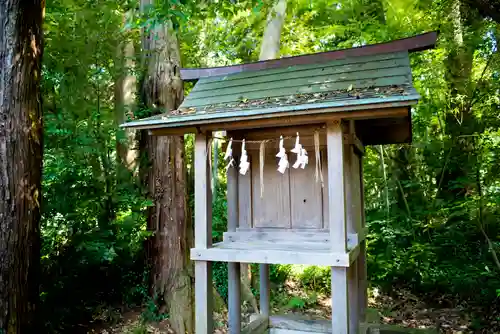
(401, 308)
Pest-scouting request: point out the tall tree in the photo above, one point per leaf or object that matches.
(125, 94)
(162, 88)
(20, 162)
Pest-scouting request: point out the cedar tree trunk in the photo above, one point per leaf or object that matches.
(20, 162)
(172, 276)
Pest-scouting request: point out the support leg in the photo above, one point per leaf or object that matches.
(234, 298)
(340, 301)
(353, 292)
(264, 289)
(203, 297)
(362, 283)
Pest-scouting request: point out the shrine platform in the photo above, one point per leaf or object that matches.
(280, 246)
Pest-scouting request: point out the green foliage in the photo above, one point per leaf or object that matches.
(316, 278)
(151, 312)
(278, 273)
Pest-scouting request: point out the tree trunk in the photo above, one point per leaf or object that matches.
(460, 120)
(20, 163)
(125, 93)
(172, 277)
(270, 47)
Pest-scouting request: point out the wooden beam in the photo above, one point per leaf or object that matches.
(351, 224)
(272, 256)
(203, 237)
(364, 112)
(338, 229)
(362, 269)
(415, 43)
(336, 187)
(202, 194)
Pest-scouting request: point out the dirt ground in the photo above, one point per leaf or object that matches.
(402, 309)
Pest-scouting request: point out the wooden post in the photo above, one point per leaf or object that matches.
(264, 289)
(234, 298)
(203, 237)
(234, 284)
(362, 271)
(352, 198)
(337, 225)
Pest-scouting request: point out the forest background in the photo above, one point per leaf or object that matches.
(432, 207)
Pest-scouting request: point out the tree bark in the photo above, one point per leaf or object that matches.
(125, 93)
(270, 47)
(460, 120)
(172, 277)
(20, 163)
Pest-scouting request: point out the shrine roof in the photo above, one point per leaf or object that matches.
(361, 78)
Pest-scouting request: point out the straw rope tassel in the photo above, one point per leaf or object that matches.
(319, 172)
(262, 150)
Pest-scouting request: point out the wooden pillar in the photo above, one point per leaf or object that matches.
(337, 225)
(362, 270)
(234, 284)
(264, 289)
(203, 237)
(352, 221)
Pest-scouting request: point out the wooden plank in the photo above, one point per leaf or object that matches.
(272, 245)
(317, 238)
(202, 194)
(415, 43)
(279, 235)
(300, 323)
(305, 197)
(265, 291)
(234, 298)
(295, 255)
(203, 297)
(287, 91)
(305, 67)
(257, 326)
(270, 211)
(273, 82)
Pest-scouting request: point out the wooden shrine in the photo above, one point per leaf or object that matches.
(337, 103)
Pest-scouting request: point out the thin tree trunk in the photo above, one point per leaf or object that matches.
(125, 93)
(20, 163)
(172, 280)
(460, 119)
(270, 47)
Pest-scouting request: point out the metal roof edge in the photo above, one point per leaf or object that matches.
(295, 110)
